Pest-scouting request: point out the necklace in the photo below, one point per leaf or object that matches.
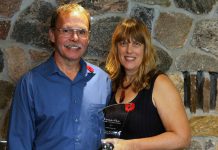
(122, 95)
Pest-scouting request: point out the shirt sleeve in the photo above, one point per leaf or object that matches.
(21, 123)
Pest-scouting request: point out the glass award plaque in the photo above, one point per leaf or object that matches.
(114, 118)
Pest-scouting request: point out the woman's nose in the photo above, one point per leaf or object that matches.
(129, 48)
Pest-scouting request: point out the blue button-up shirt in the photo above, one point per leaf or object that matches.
(52, 112)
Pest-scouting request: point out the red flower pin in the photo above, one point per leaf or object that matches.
(91, 70)
(129, 107)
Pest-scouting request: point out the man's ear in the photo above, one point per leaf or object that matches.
(51, 35)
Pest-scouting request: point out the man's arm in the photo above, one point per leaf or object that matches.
(21, 128)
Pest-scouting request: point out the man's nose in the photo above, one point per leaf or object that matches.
(74, 36)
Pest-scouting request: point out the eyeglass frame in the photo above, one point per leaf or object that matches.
(71, 31)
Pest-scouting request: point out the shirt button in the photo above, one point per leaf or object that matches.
(76, 120)
(77, 139)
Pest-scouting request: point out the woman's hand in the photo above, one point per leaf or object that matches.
(119, 144)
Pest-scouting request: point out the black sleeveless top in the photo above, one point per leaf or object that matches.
(144, 120)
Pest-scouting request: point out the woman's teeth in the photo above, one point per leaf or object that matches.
(129, 58)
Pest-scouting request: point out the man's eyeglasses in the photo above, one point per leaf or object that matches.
(68, 32)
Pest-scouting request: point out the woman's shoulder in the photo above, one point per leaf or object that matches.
(162, 77)
(163, 84)
(156, 74)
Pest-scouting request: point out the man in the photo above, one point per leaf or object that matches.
(58, 105)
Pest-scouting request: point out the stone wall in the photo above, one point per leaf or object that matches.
(184, 32)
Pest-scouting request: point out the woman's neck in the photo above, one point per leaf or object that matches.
(129, 75)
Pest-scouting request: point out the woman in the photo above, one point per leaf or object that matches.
(158, 120)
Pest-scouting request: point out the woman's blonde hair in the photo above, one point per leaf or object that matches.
(135, 29)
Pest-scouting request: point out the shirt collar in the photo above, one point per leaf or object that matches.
(52, 68)
(86, 69)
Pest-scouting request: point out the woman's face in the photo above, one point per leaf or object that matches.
(130, 54)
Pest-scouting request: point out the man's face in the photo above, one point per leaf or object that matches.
(70, 36)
